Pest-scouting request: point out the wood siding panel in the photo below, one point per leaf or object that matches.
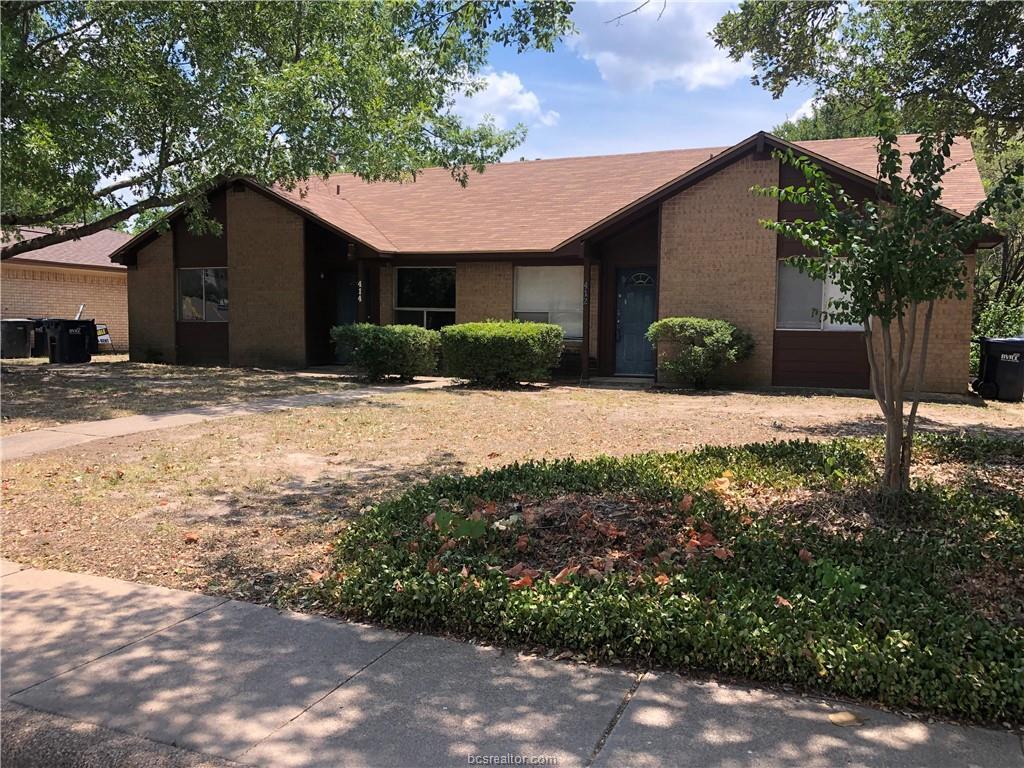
(836, 359)
(202, 343)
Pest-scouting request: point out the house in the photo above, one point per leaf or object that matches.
(55, 281)
(600, 245)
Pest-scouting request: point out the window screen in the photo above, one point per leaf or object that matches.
(203, 295)
(833, 291)
(799, 301)
(553, 295)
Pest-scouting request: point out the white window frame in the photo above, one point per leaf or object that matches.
(517, 310)
(177, 295)
(823, 323)
(422, 310)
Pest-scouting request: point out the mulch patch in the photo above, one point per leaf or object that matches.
(995, 591)
(597, 534)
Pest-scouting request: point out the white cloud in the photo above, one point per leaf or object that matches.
(504, 98)
(806, 109)
(660, 42)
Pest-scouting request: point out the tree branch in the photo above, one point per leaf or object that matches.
(76, 233)
(10, 219)
(637, 9)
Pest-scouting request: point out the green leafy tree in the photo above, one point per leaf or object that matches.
(831, 118)
(948, 66)
(893, 258)
(134, 106)
(999, 284)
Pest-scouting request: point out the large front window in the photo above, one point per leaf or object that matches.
(802, 299)
(203, 294)
(425, 296)
(551, 295)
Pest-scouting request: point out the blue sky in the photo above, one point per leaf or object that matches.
(639, 84)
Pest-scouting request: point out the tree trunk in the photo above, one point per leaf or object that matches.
(890, 372)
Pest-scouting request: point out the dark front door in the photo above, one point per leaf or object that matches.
(635, 311)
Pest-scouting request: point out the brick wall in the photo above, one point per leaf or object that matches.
(718, 262)
(28, 290)
(483, 291)
(151, 302)
(947, 368)
(387, 294)
(266, 282)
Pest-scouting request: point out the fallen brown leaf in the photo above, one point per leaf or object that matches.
(522, 582)
(845, 719)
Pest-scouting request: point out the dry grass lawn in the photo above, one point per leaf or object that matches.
(38, 395)
(245, 505)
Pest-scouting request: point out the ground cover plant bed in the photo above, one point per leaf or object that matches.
(771, 562)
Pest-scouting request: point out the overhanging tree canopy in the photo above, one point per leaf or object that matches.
(111, 109)
(946, 66)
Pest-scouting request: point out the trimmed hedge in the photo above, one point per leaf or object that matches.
(404, 351)
(701, 349)
(501, 353)
(876, 613)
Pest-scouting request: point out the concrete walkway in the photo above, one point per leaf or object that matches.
(23, 444)
(103, 672)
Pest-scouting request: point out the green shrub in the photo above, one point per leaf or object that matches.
(873, 612)
(998, 319)
(699, 348)
(404, 351)
(501, 353)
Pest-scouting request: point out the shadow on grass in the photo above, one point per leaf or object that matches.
(260, 540)
(874, 426)
(69, 393)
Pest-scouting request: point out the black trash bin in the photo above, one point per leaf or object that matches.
(40, 342)
(1001, 369)
(16, 338)
(70, 341)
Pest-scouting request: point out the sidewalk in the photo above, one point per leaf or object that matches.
(23, 444)
(240, 682)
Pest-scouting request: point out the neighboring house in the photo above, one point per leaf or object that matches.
(600, 245)
(55, 281)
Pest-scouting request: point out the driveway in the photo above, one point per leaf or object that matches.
(94, 659)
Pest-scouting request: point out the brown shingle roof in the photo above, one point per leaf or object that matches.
(90, 251)
(539, 205)
(519, 206)
(962, 187)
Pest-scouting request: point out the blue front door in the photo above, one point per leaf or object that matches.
(635, 312)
